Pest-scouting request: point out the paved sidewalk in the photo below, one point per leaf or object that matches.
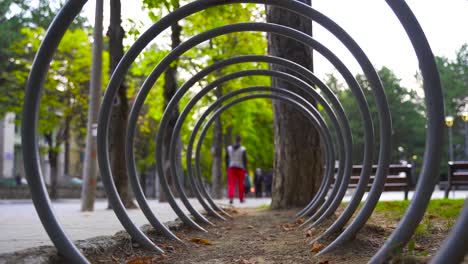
(20, 227)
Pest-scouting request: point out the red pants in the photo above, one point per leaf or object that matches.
(236, 174)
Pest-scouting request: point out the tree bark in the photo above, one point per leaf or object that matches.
(170, 88)
(88, 192)
(217, 152)
(228, 136)
(53, 164)
(298, 165)
(66, 162)
(119, 116)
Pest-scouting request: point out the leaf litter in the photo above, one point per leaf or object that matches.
(256, 236)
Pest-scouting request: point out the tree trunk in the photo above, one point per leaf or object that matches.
(53, 164)
(170, 88)
(53, 161)
(217, 152)
(88, 193)
(298, 165)
(228, 136)
(119, 116)
(66, 162)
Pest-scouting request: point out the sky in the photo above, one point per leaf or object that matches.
(373, 26)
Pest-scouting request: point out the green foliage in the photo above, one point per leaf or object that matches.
(22, 24)
(66, 89)
(411, 246)
(406, 111)
(454, 79)
(253, 119)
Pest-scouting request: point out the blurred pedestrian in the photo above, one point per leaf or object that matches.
(18, 180)
(247, 184)
(268, 179)
(236, 162)
(258, 181)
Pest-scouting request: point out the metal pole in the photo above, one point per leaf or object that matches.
(466, 140)
(450, 135)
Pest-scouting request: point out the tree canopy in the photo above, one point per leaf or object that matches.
(64, 102)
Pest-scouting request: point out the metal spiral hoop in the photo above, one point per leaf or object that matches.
(336, 140)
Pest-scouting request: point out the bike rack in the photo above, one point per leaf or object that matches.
(337, 137)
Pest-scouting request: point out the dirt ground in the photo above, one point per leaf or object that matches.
(268, 236)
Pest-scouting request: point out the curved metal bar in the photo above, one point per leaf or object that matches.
(302, 85)
(455, 246)
(138, 191)
(321, 126)
(213, 85)
(239, 28)
(293, 79)
(434, 139)
(242, 59)
(129, 146)
(179, 172)
(29, 135)
(303, 10)
(328, 147)
(314, 114)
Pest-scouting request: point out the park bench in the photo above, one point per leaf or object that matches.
(457, 175)
(395, 180)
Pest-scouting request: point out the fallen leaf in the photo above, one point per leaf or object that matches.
(287, 227)
(316, 247)
(313, 230)
(419, 247)
(249, 227)
(231, 210)
(201, 241)
(431, 216)
(141, 260)
(300, 221)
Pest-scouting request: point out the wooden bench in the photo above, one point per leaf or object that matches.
(394, 181)
(457, 175)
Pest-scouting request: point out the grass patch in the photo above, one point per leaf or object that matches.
(443, 209)
(264, 206)
(440, 208)
(439, 218)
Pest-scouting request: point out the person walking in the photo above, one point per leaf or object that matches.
(236, 162)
